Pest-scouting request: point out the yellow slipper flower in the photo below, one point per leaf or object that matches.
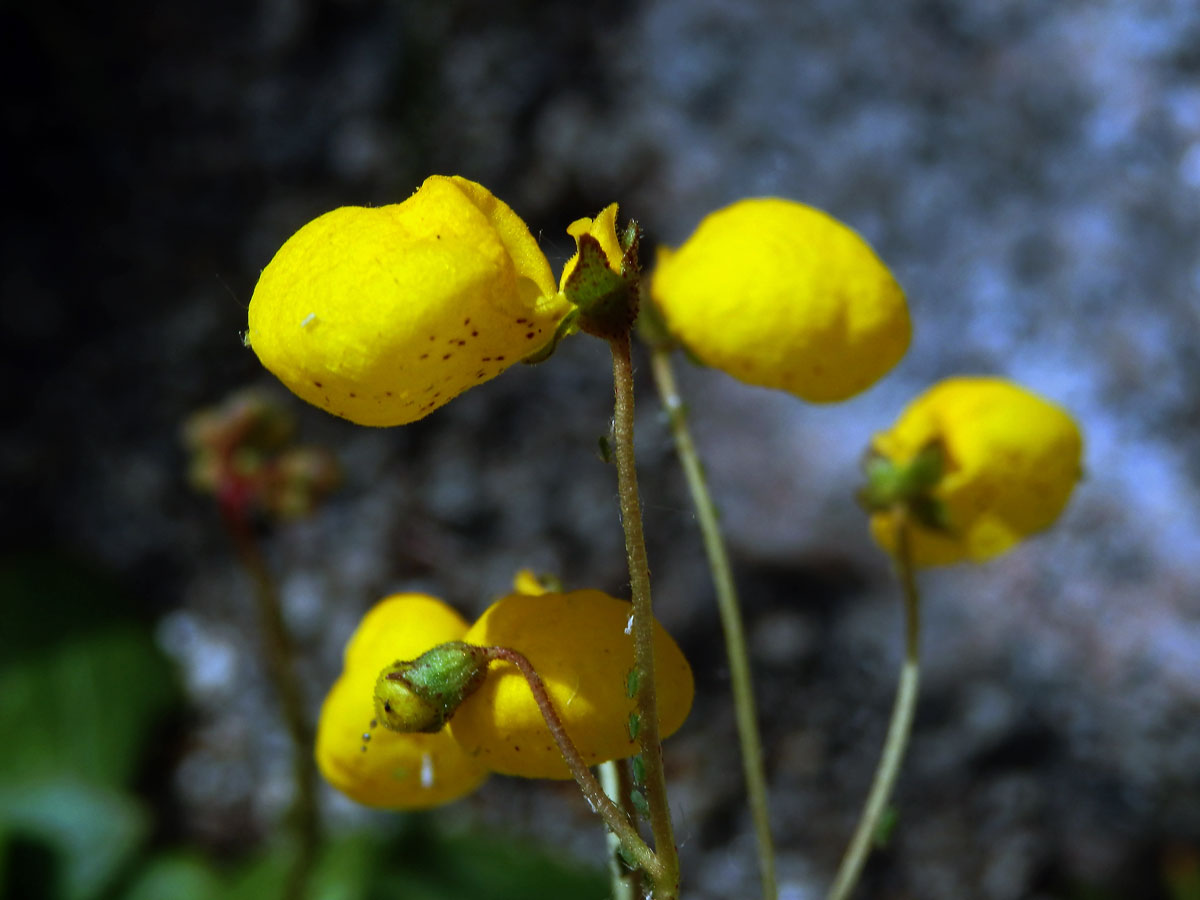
(781, 295)
(579, 643)
(395, 771)
(381, 315)
(1009, 460)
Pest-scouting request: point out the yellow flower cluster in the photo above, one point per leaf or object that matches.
(576, 642)
(382, 315)
(1009, 461)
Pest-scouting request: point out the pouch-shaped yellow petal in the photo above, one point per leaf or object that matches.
(1011, 460)
(781, 295)
(381, 315)
(579, 644)
(396, 771)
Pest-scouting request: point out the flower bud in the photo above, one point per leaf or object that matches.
(602, 278)
(579, 643)
(381, 315)
(422, 694)
(781, 295)
(394, 771)
(977, 464)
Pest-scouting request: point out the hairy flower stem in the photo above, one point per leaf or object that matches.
(649, 740)
(731, 617)
(898, 730)
(281, 669)
(624, 883)
(620, 824)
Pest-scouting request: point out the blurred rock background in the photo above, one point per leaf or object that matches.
(1031, 172)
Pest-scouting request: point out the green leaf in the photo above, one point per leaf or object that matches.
(82, 707)
(81, 680)
(179, 877)
(92, 830)
(426, 865)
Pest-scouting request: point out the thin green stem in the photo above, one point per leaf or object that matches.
(731, 617)
(281, 669)
(898, 730)
(624, 883)
(648, 736)
(619, 823)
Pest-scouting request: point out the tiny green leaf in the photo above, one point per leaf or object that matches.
(631, 683)
(638, 799)
(639, 769)
(885, 828)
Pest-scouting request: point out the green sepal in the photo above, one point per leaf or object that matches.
(421, 695)
(607, 300)
(635, 725)
(912, 484)
(568, 326)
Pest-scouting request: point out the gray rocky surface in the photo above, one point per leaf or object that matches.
(1030, 170)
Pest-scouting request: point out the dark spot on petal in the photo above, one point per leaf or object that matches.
(467, 321)
(352, 394)
(447, 356)
(424, 356)
(528, 334)
(474, 334)
(499, 359)
(522, 321)
(318, 384)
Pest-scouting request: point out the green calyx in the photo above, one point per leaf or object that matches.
(421, 695)
(607, 300)
(909, 485)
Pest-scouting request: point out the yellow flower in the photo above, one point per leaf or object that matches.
(381, 315)
(604, 229)
(579, 645)
(396, 771)
(781, 295)
(1010, 460)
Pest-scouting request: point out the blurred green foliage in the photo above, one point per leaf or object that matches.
(84, 694)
